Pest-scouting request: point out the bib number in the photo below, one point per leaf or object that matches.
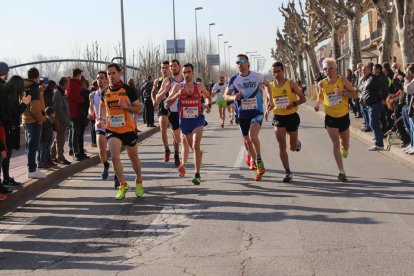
(282, 102)
(249, 104)
(334, 99)
(190, 112)
(117, 121)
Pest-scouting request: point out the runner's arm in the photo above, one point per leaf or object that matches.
(297, 91)
(173, 96)
(165, 86)
(154, 92)
(91, 110)
(320, 96)
(270, 104)
(350, 91)
(206, 95)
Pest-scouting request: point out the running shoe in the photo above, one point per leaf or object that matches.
(167, 155)
(139, 190)
(181, 171)
(196, 180)
(257, 176)
(10, 182)
(342, 177)
(252, 165)
(176, 160)
(122, 190)
(288, 177)
(344, 152)
(248, 159)
(105, 172)
(299, 146)
(260, 167)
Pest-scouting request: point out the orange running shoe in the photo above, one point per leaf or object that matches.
(260, 167)
(181, 171)
(248, 159)
(252, 165)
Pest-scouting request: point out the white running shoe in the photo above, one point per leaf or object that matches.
(375, 148)
(407, 149)
(36, 175)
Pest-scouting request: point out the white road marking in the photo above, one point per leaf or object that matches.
(239, 159)
(13, 224)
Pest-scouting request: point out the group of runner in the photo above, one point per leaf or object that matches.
(181, 103)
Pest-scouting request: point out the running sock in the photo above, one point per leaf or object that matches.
(138, 181)
(124, 183)
(106, 164)
(288, 171)
(167, 148)
(342, 171)
(258, 157)
(197, 175)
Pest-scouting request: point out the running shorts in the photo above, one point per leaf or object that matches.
(129, 139)
(341, 123)
(245, 123)
(290, 122)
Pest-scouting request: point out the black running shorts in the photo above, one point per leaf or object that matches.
(290, 122)
(341, 123)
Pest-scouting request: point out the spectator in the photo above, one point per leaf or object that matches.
(75, 100)
(12, 111)
(61, 105)
(393, 105)
(386, 120)
(409, 90)
(83, 114)
(131, 83)
(4, 73)
(148, 104)
(371, 97)
(48, 95)
(46, 138)
(95, 87)
(390, 77)
(354, 106)
(33, 118)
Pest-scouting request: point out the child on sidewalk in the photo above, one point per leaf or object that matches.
(46, 138)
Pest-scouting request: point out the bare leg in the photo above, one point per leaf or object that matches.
(136, 162)
(163, 120)
(334, 135)
(185, 148)
(197, 135)
(281, 139)
(102, 146)
(254, 137)
(115, 146)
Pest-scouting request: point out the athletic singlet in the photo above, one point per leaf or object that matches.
(251, 102)
(190, 104)
(282, 97)
(96, 100)
(222, 88)
(174, 106)
(335, 105)
(119, 120)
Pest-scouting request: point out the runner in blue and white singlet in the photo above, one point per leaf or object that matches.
(245, 89)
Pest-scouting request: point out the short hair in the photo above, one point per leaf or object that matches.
(131, 82)
(63, 81)
(149, 77)
(370, 65)
(116, 65)
(278, 64)
(76, 72)
(50, 110)
(165, 62)
(199, 80)
(243, 56)
(411, 68)
(33, 73)
(176, 61)
(95, 84)
(189, 65)
(330, 61)
(386, 65)
(103, 72)
(378, 66)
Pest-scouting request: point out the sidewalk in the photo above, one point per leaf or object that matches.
(30, 187)
(366, 137)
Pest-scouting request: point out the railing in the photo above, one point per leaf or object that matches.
(365, 42)
(376, 34)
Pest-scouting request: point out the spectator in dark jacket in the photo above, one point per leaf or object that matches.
(46, 138)
(83, 114)
(371, 87)
(149, 106)
(13, 109)
(48, 95)
(4, 73)
(75, 100)
(61, 105)
(33, 118)
(386, 120)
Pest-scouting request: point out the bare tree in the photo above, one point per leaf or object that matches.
(405, 28)
(93, 53)
(386, 12)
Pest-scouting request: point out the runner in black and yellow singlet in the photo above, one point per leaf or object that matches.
(286, 98)
(120, 102)
(335, 91)
(163, 112)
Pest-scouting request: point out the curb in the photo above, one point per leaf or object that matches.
(396, 151)
(35, 187)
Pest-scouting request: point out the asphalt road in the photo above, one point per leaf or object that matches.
(230, 224)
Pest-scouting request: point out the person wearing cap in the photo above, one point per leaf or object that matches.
(33, 118)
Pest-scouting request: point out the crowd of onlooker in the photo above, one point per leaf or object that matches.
(385, 102)
(51, 113)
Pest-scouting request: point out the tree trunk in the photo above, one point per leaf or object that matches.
(301, 70)
(405, 27)
(354, 32)
(336, 49)
(387, 41)
(313, 62)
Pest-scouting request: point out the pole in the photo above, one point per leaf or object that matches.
(123, 40)
(197, 57)
(175, 41)
(228, 53)
(225, 60)
(218, 49)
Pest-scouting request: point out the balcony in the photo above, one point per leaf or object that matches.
(377, 34)
(366, 43)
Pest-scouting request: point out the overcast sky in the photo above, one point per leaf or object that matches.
(58, 28)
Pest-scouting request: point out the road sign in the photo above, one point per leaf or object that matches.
(180, 44)
(213, 60)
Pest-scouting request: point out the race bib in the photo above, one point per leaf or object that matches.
(117, 121)
(282, 102)
(249, 104)
(334, 99)
(190, 112)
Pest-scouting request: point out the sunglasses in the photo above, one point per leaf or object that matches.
(241, 61)
(327, 68)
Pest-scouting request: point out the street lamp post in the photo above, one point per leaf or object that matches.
(218, 49)
(198, 63)
(123, 39)
(209, 32)
(225, 61)
(228, 53)
(175, 41)
(254, 59)
(251, 52)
